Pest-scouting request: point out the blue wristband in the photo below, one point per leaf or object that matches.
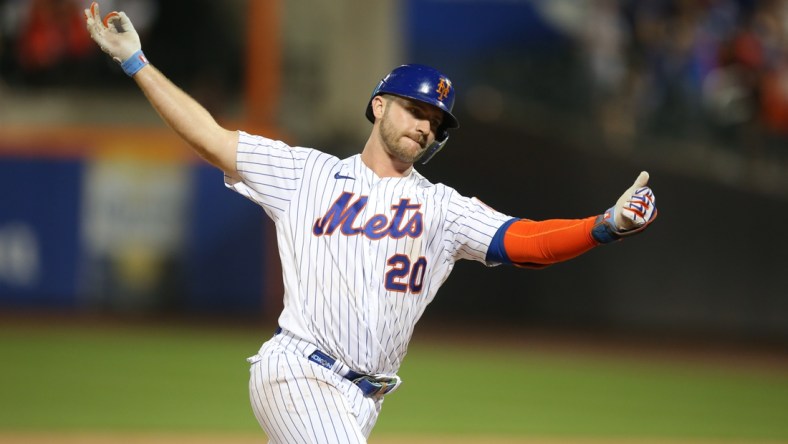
(136, 62)
(604, 230)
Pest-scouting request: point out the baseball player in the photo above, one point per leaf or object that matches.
(365, 242)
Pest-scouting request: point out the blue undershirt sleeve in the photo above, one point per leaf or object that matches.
(496, 253)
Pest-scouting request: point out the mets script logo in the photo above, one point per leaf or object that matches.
(343, 214)
(444, 88)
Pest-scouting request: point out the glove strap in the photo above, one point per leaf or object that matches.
(133, 64)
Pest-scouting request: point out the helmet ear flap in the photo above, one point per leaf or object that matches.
(435, 147)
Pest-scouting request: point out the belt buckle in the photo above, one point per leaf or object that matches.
(375, 386)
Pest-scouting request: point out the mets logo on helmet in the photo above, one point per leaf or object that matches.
(444, 88)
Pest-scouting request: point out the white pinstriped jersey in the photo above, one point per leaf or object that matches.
(362, 256)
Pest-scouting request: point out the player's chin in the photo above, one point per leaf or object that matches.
(408, 152)
(411, 156)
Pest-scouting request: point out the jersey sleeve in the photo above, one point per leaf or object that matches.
(270, 172)
(471, 226)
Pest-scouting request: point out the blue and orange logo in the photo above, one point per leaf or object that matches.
(444, 88)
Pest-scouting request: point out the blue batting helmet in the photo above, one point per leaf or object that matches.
(424, 84)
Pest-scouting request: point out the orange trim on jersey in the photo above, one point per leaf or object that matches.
(539, 243)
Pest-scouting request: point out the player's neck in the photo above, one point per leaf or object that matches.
(382, 163)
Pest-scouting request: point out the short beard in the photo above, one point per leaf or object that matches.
(390, 139)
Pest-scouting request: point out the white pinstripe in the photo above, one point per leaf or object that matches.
(343, 294)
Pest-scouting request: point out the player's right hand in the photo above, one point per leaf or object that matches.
(115, 34)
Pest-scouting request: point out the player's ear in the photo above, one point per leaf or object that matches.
(378, 106)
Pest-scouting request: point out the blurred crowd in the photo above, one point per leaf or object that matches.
(710, 69)
(44, 42)
(715, 69)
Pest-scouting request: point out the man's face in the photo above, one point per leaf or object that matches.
(408, 127)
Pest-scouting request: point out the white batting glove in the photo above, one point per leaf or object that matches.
(117, 37)
(633, 212)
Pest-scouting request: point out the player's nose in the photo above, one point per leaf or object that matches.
(423, 126)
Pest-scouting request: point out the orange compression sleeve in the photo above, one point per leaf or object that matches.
(540, 243)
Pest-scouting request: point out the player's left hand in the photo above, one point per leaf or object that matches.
(631, 214)
(635, 207)
(115, 34)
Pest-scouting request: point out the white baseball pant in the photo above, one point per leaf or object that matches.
(298, 401)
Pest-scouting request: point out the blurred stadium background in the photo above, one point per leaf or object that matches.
(104, 214)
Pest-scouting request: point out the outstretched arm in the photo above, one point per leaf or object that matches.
(537, 244)
(189, 119)
(116, 36)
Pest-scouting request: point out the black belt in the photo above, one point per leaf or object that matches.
(372, 386)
